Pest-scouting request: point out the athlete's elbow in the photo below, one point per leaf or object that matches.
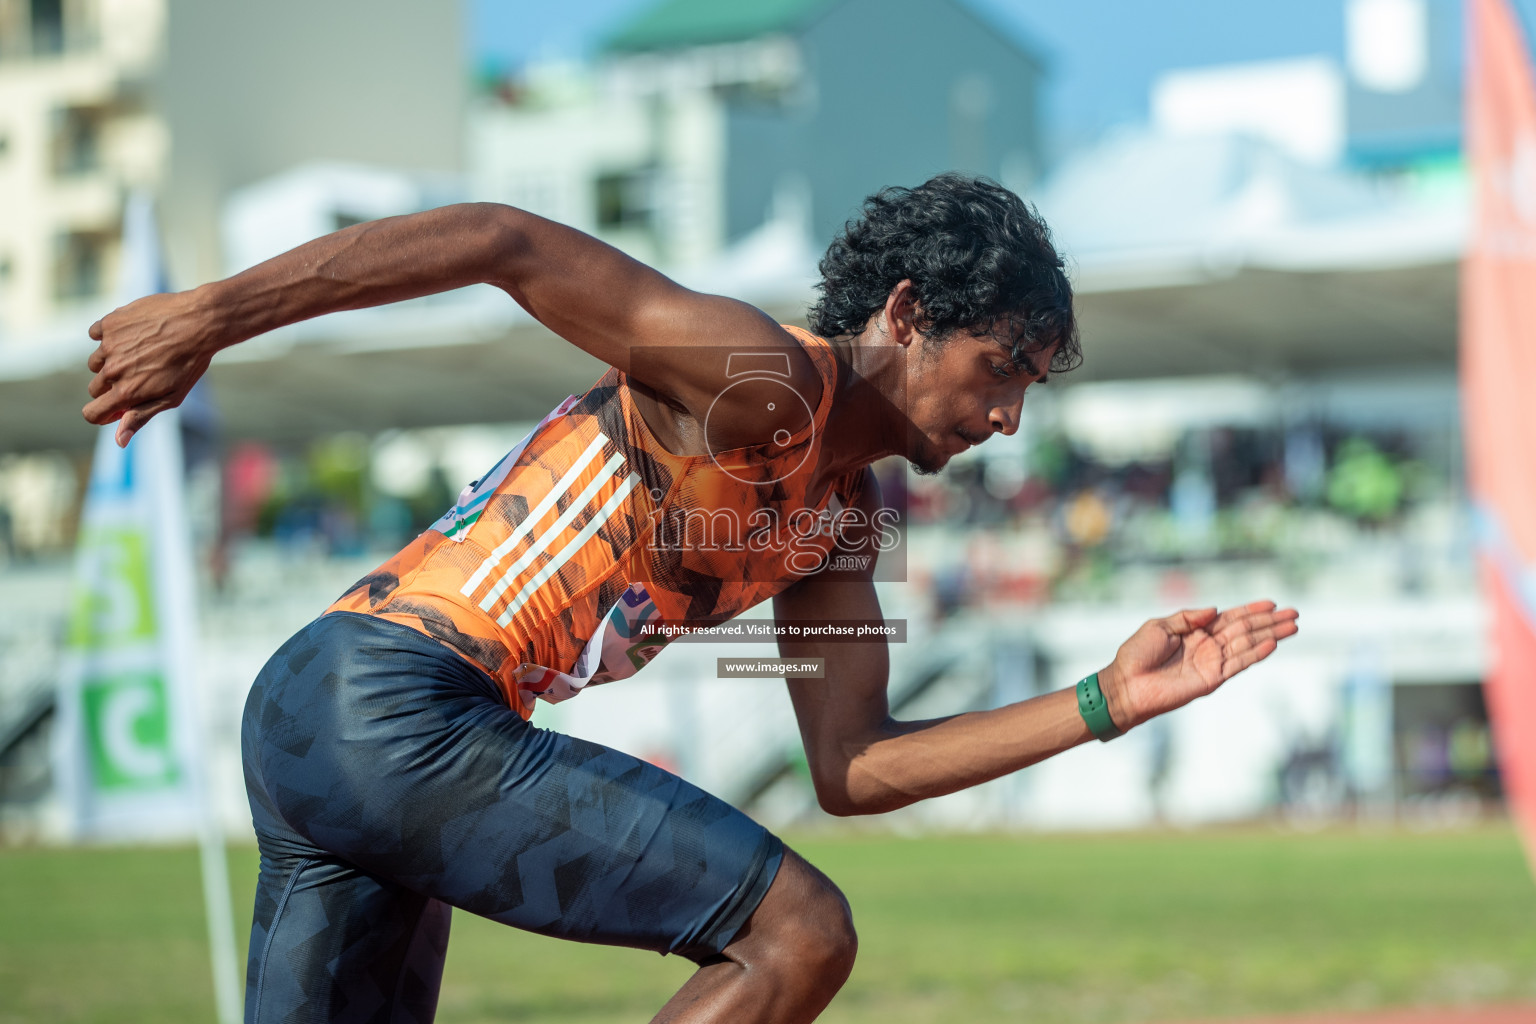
(832, 791)
(844, 806)
(499, 234)
(846, 796)
(837, 804)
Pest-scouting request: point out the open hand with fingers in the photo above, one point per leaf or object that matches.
(151, 352)
(1169, 662)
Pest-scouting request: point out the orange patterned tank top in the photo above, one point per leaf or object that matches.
(546, 569)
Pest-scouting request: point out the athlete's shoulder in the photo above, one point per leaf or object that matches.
(814, 346)
(824, 359)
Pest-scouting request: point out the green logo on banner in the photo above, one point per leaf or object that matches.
(113, 604)
(128, 725)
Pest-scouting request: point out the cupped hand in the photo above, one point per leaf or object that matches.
(150, 354)
(1169, 662)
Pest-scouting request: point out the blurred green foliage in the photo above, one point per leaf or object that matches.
(1364, 483)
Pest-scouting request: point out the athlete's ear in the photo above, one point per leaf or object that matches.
(901, 313)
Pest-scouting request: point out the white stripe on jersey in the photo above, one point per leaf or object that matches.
(547, 538)
(554, 564)
(532, 519)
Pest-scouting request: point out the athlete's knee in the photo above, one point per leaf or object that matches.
(805, 923)
(830, 935)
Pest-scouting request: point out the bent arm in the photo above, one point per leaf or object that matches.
(863, 761)
(153, 350)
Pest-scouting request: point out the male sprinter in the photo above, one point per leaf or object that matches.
(392, 769)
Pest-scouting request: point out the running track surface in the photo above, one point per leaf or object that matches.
(1471, 1015)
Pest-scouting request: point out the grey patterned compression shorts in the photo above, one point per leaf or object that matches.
(389, 781)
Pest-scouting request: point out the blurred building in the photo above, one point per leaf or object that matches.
(701, 122)
(1391, 99)
(77, 129)
(1404, 80)
(252, 90)
(190, 101)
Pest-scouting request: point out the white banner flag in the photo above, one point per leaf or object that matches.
(127, 736)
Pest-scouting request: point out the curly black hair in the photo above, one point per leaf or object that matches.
(976, 255)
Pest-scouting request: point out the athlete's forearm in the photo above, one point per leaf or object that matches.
(911, 761)
(368, 264)
(865, 762)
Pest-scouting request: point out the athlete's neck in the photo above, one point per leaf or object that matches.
(867, 421)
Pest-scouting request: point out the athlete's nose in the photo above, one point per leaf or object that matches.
(1005, 420)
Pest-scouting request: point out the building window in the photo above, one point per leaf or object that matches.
(626, 200)
(80, 264)
(77, 139)
(47, 17)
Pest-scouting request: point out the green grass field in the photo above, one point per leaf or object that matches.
(1057, 929)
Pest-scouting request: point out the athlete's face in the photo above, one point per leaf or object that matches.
(960, 391)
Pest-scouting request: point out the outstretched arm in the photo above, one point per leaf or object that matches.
(152, 351)
(865, 762)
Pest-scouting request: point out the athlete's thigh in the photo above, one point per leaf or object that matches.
(331, 943)
(389, 761)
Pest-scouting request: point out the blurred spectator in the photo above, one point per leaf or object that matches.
(1469, 751)
(40, 497)
(1297, 495)
(250, 474)
(1364, 484)
(1087, 519)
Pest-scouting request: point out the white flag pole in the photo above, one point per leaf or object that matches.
(178, 597)
(221, 921)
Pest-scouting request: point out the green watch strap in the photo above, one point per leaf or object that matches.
(1095, 709)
